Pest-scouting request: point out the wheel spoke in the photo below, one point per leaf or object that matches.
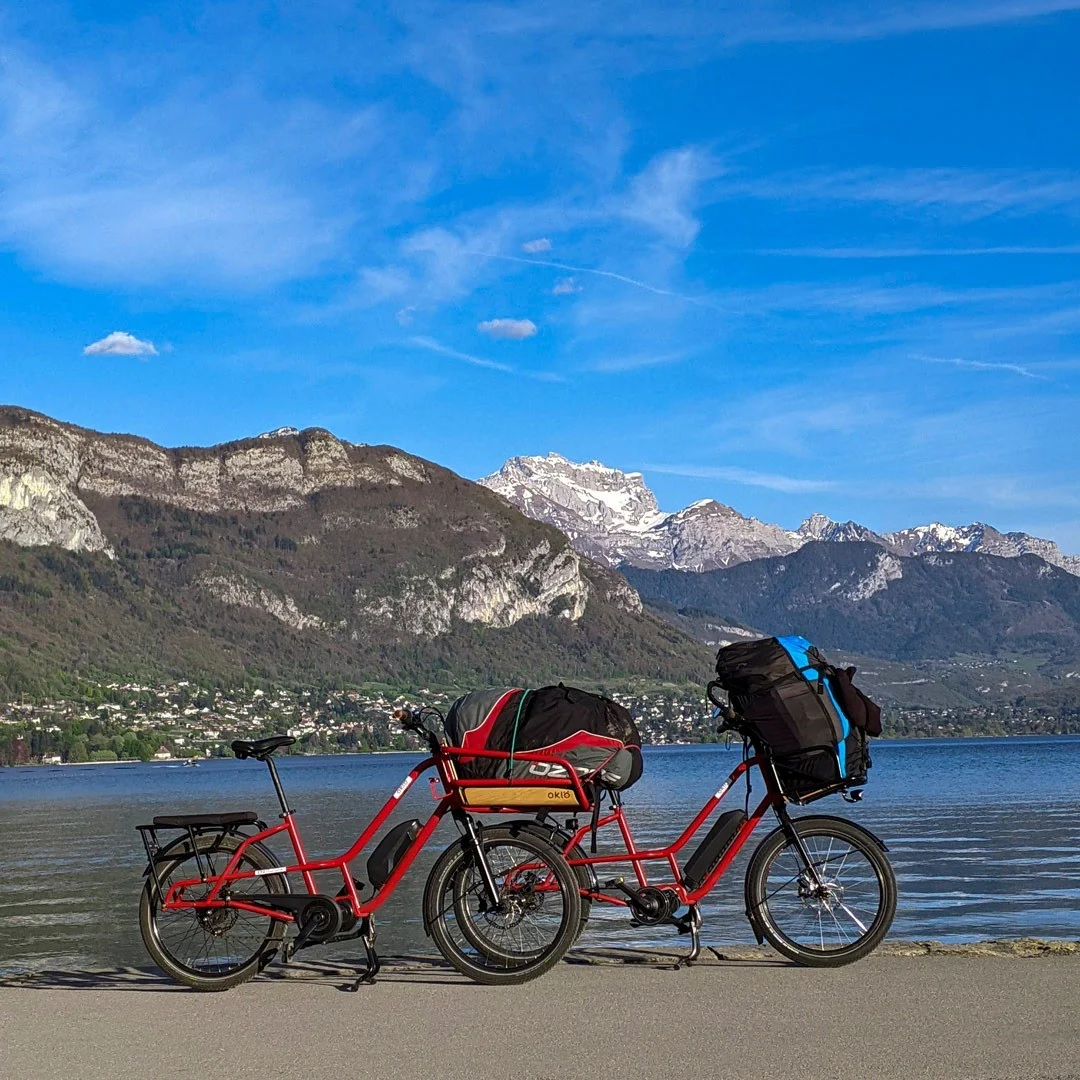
(838, 902)
(531, 925)
(211, 942)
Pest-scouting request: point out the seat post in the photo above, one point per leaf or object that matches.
(277, 786)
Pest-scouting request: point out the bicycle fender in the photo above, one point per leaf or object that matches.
(808, 818)
(847, 821)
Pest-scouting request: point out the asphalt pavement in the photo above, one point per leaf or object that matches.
(979, 1018)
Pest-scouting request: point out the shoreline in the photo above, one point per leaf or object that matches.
(1020, 948)
(419, 752)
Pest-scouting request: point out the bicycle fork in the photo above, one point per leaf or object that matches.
(472, 839)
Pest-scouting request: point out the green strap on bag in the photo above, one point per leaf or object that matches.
(513, 737)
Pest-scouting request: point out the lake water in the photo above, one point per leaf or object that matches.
(984, 835)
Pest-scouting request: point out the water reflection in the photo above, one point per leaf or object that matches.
(984, 836)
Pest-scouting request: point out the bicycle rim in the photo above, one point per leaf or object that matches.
(842, 916)
(529, 917)
(212, 943)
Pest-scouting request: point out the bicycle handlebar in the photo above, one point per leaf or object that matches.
(730, 720)
(414, 720)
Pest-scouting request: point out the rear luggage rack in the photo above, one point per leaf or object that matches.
(194, 826)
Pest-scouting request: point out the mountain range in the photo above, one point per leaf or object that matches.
(935, 615)
(294, 557)
(613, 518)
(298, 558)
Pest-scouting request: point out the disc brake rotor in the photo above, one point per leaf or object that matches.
(218, 921)
(515, 902)
(826, 895)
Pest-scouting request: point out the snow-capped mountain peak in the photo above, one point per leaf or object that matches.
(820, 527)
(601, 497)
(612, 516)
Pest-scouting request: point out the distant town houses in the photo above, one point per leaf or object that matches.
(124, 721)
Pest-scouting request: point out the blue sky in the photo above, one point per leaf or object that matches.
(796, 257)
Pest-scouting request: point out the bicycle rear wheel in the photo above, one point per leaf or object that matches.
(216, 948)
(836, 922)
(560, 839)
(528, 930)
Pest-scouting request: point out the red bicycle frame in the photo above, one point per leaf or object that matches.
(668, 854)
(453, 800)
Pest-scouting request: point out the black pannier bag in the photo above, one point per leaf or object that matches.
(595, 735)
(808, 714)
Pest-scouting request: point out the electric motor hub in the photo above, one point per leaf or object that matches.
(651, 906)
(324, 916)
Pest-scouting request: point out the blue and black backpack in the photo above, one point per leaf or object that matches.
(806, 713)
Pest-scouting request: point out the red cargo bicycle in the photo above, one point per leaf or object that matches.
(818, 888)
(501, 903)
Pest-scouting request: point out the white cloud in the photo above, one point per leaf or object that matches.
(916, 252)
(445, 350)
(964, 194)
(536, 247)
(863, 20)
(617, 364)
(432, 345)
(609, 274)
(664, 194)
(790, 485)
(565, 286)
(207, 187)
(119, 343)
(508, 329)
(981, 365)
(405, 316)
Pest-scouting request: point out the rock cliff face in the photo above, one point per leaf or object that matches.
(36, 509)
(359, 551)
(271, 473)
(48, 469)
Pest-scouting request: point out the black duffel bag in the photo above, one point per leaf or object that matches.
(807, 714)
(595, 735)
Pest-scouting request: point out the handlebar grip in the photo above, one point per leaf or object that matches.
(723, 706)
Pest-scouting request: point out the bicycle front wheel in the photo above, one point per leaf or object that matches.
(841, 917)
(531, 924)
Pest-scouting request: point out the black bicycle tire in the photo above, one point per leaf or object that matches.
(757, 907)
(549, 835)
(452, 862)
(159, 953)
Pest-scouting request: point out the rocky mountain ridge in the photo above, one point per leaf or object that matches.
(614, 518)
(358, 555)
(860, 598)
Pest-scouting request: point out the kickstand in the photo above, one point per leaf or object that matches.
(690, 924)
(367, 976)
